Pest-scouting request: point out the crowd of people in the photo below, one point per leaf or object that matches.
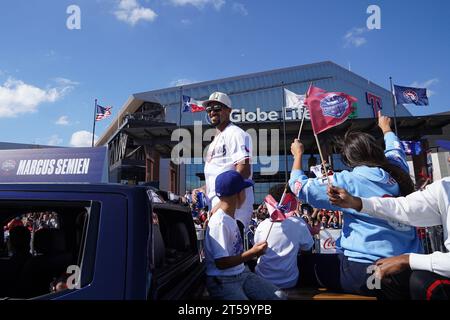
(316, 219)
(28, 244)
(384, 242)
(33, 222)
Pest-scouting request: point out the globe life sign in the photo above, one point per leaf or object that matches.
(241, 115)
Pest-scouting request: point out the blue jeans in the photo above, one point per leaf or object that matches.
(243, 286)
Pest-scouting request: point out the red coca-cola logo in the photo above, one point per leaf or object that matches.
(330, 243)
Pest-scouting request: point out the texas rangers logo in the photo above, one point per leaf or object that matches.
(334, 106)
(411, 95)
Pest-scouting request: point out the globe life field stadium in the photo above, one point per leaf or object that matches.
(142, 140)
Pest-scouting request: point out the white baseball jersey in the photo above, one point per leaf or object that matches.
(230, 146)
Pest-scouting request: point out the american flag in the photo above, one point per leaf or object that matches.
(102, 113)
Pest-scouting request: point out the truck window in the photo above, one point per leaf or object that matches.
(42, 247)
(174, 260)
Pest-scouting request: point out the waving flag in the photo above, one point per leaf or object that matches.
(278, 211)
(293, 100)
(328, 109)
(191, 105)
(317, 170)
(409, 95)
(102, 112)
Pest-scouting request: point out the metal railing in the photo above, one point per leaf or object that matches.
(432, 239)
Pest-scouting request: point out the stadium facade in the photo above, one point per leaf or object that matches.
(141, 140)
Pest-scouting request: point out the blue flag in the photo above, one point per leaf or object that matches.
(409, 95)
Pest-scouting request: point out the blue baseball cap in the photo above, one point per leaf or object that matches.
(444, 144)
(231, 182)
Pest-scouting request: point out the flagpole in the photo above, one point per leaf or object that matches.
(93, 127)
(303, 113)
(321, 158)
(285, 156)
(301, 124)
(285, 148)
(179, 131)
(394, 101)
(270, 229)
(298, 136)
(283, 110)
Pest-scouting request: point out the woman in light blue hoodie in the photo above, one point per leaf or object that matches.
(364, 239)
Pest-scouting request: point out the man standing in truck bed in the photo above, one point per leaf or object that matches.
(231, 149)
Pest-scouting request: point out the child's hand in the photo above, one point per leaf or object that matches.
(297, 148)
(341, 198)
(384, 123)
(259, 248)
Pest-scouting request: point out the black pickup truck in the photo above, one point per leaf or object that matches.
(96, 241)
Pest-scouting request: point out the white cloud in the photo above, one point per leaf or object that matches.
(131, 12)
(186, 22)
(62, 121)
(426, 84)
(181, 82)
(54, 140)
(82, 138)
(18, 97)
(65, 82)
(200, 4)
(355, 37)
(240, 8)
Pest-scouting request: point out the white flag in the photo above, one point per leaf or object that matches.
(293, 100)
(317, 170)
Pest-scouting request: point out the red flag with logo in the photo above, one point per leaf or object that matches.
(328, 109)
(280, 211)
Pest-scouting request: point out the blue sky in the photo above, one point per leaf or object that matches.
(50, 75)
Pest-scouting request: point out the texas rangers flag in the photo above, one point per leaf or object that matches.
(409, 95)
(191, 105)
(328, 109)
(277, 210)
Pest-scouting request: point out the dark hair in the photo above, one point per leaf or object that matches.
(277, 190)
(361, 149)
(43, 241)
(307, 207)
(312, 161)
(260, 215)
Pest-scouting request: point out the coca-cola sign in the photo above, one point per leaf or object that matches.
(328, 238)
(329, 243)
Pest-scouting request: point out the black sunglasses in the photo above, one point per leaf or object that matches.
(216, 107)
